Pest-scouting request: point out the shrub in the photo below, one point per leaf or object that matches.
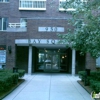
(21, 73)
(81, 75)
(93, 80)
(7, 79)
(95, 85)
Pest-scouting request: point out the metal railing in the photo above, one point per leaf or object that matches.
(17, 25)
(32, 4)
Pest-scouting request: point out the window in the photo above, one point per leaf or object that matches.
(23, 22)
(32, 4)
(98, 62)
(3, 23)
(2, 56)
(4, 0)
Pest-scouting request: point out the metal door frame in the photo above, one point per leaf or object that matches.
(51, 64)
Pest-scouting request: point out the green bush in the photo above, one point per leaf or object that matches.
(21, 73)
(15, 78)
(7, 79)
(95, 85)
(93, 80)
(81, 75)
(97, 88)
(98, 75)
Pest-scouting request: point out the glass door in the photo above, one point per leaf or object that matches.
(48, 62)
(55, 62)
(51, 62)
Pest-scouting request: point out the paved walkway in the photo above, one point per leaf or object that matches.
(49, 86)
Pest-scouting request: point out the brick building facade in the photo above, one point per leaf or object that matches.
(28, 36)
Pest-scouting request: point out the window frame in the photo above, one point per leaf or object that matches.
(32, 5)
(23, 22)
(2, 23)
(4, 1)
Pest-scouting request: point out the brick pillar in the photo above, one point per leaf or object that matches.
(90, 62)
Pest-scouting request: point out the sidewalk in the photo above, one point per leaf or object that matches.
(49, 86)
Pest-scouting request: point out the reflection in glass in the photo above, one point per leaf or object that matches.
(41, 60)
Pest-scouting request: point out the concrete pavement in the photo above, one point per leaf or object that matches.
(49, 86)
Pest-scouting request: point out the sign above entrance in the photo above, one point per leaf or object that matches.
(50, 29)
(36, 41)
(40, 43)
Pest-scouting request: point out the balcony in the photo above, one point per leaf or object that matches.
(17, 27)
(32, 5)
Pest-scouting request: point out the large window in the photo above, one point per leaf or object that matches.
(4, 1)
(3, 24)
(32, 4)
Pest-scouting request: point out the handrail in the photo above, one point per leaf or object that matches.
(15, 25)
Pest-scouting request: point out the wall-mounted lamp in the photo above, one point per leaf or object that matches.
(9, 49)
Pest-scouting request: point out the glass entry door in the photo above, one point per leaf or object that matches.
(51, 62)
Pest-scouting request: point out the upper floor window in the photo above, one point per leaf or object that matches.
(23, 22)
(3, 23)
(32, 4)
(4, 1)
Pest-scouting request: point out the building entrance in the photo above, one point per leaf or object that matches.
(52, 61)
(49, 61)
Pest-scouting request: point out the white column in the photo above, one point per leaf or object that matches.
(30, 60)
(73, 61)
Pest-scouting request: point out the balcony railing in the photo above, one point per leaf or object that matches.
(32, 4)
(17, 27)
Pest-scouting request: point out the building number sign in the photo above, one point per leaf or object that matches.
(50, 29)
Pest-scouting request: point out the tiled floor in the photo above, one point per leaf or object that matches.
(49, 86)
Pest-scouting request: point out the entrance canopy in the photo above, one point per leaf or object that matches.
(46, 44)
(40, 43)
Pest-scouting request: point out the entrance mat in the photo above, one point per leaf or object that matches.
(4, 94)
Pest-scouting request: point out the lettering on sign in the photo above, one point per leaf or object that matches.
(39, 41)
(50, 29)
